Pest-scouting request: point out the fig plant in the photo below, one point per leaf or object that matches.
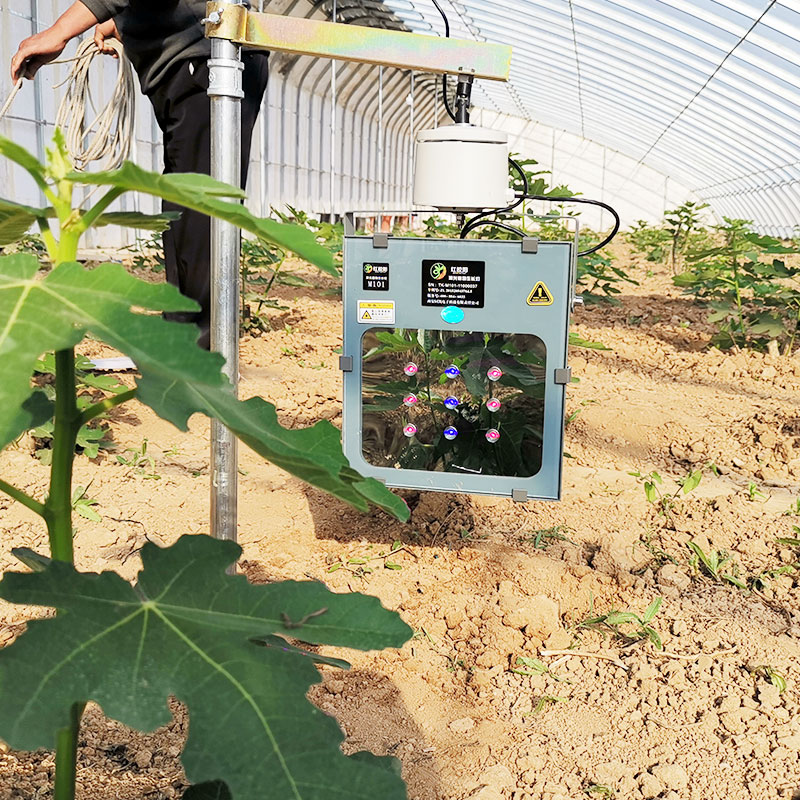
(185, 628)
(749, 285)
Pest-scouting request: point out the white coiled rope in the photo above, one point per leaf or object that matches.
(108, 137)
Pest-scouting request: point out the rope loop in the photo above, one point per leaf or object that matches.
(108, 137)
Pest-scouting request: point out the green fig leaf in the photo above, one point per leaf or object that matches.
(185, 630)
(204, 194)
(178, 379)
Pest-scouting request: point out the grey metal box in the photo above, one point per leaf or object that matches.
(455, 352)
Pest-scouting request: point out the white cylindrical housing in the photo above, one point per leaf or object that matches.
(461, 168)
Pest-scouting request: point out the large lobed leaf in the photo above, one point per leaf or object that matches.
(204, 194)
(186, 629)
(178, 378)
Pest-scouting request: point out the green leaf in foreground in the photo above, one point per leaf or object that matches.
(186, 629)
(15, 219)
(157, 223)
(204, 194)
(178, 379)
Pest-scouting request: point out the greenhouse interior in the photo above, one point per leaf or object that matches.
(435, 360)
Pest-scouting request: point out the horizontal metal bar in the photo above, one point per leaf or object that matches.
(387, 48)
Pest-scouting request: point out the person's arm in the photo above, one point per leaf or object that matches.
(44, 47)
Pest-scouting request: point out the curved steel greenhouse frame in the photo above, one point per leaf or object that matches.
(643, 103)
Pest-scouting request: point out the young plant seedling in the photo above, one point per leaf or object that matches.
(543, 538)
(545, 702)
(83, 505)
(138, 461)
(712, 563)
(599, 789)
(619, 624)
(754, 493)
(777, 679)
(666, 502)
(186, 628)
(793, 510)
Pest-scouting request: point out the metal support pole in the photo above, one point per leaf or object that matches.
(381, 133)
(334, 15)
(225, 93)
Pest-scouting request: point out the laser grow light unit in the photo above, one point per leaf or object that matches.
(455, 363)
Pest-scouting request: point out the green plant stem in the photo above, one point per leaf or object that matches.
(58, 508)
(104, 406)
(21, 497)
(91, 216)
(67, 756)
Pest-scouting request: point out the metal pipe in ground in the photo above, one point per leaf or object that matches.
(225, 92)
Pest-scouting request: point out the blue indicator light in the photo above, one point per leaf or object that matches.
(452, 315)
(452, 403)
(450, 433)
(452, 372)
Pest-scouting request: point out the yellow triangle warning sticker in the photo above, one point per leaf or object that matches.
(366, 315)
(540, 296)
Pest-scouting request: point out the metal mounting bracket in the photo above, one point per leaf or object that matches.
(563, 377)
(530, 245)
(388, 48)
(519, 495)
(380, 241)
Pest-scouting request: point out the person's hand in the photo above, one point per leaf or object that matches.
(104, 32)
(36, 51)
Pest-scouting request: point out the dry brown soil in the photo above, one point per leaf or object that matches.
(485, 581)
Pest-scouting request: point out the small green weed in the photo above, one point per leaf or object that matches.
(777, 679)
(578, 411)
(359, 564)
(793, 510)
(544, 537)
(545, 702)
(83, 505)
(652, 483)
(140, 462)
(626, 625)
(712, 564)
(532, 667)
(685, 230)
(754, 493)
(598, 788)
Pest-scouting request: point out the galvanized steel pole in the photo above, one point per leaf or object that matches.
(225, 93)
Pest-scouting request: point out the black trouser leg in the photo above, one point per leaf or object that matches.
(183, 112)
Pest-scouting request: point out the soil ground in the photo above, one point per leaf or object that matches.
(486, 581)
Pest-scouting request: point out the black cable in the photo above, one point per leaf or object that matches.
(476, 222)
(444, 77)
(473, 223)
(525, 186)
(585, 201)
(496, 224)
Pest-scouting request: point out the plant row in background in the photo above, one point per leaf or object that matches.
(225, 648)
(749, 282)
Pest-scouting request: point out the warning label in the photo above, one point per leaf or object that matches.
(453, 283)
(375, 277)
(372, 313)
(540, 296)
